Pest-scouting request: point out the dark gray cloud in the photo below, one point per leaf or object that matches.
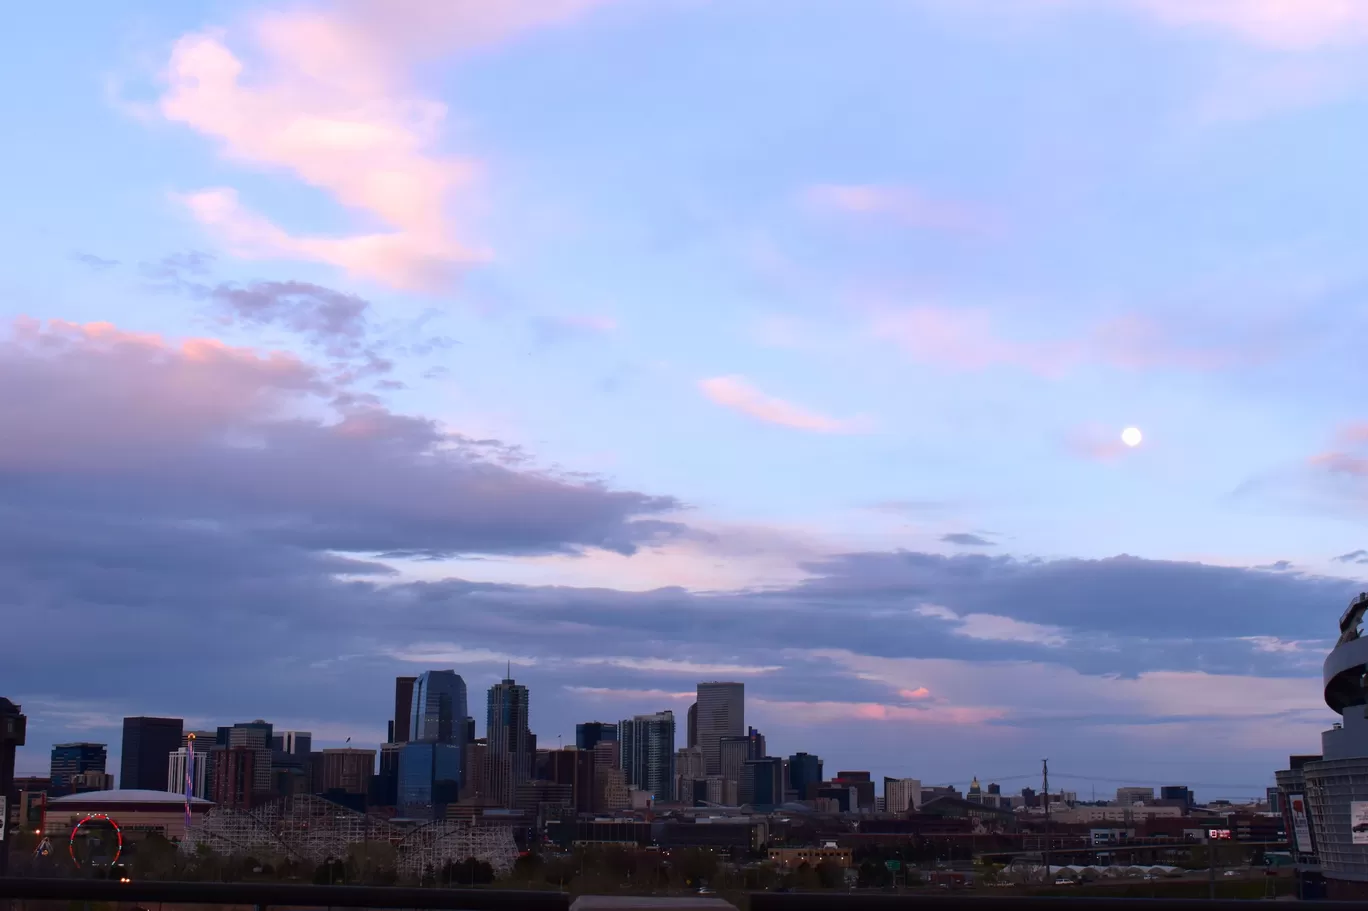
(1278, 566)
(175, 270)
(319, 314)
(95, 263)
(966, 539)
(125, 424)
(1354, 556)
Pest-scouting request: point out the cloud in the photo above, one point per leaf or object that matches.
(207, 432)
(827, 711)
(1094, 443)
(1277, 566)
(965, 539)
(552, 329)
(1062, 693)
(995, 628)
(319, 313)
(1274, 645)
(96, 263)
(1287, 25)
(737, 393)
(324, 96)
(444, 653)
(671, 666)
(1354, 556)
(966, 339)
(182, 493)
(600, 692)
(904, 206)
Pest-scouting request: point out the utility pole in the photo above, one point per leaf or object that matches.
(1045, 786)
(1211, 866)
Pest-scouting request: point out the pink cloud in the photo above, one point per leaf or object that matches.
(604, 692)
(1060, 691)
(1094, 443)
(1283, 24)
(920, 692)
(1341, 463)
(830, 711)
(905, 206)
(736, 393)
(966, 339)
(325, 99)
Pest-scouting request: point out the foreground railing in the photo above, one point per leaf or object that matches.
(836, 901)
(263, 896)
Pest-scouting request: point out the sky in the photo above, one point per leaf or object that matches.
(633, 343)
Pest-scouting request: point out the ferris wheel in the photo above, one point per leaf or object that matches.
(96, 841)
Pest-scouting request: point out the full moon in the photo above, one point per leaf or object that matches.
(1131, 436)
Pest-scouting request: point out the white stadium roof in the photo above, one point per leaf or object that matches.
(117, 798)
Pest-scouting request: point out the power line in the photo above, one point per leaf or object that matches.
(1166, 783)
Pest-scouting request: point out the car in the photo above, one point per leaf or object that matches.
(1064, 882)
(1232, 873)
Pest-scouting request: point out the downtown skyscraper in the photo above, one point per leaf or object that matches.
(511, 744)
(431, 764)
(721, 712)
(648, 753)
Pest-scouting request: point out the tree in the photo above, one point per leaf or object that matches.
(830, 875)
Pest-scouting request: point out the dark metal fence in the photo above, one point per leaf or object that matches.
(263, 896)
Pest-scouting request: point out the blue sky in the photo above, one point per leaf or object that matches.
(643, 342)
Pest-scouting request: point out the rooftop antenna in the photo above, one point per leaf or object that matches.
(508, 670)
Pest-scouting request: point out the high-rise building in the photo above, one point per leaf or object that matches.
(403, 709)
(690, 774)
(647, 743)
(438, 710)
(588, 734)
(256, 736)
(692, 732)
(348, 770)
(757, 744)
(239, 782)
(1125, 797)
(805, 773)
(72, 759)
(292, 743)
(733, 753)
(902, 794)
(13, 733)
(1178, 792)
(763, 782)
(387, 779)
(511, 745)
(721, 713)
(147, 745)
(429, 778)
(179, 764)
(863, 785)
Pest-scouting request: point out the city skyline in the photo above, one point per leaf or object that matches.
(752, 747)
(619, 346)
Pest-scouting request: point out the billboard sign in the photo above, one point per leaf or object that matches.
(1301, 827)
(1218, 835)
(1358, 821)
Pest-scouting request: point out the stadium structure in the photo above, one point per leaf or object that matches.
(314, 830)
(1324, 799)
